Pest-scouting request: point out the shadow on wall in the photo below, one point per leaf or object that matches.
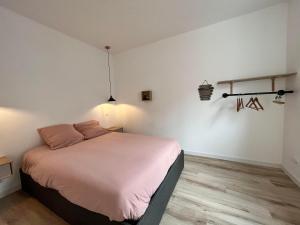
(16, 129)
(17, 132)
(222, 109)
(59, 108)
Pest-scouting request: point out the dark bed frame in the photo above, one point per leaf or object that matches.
(76, 215)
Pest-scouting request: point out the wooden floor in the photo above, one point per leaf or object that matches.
(209, 192)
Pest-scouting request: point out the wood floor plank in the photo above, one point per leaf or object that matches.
(226, 192)
(209, 192)
(21, 209)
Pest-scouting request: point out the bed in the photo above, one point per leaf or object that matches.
(94, 192)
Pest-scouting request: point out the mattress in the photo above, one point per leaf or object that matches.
(115, 174)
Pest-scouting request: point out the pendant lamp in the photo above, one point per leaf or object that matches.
(111, 99)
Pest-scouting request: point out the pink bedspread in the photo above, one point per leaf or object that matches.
(115, 174)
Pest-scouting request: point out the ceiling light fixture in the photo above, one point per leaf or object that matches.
(111, 99)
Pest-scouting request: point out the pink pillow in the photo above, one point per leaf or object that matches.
(90, 129)
(60, 136)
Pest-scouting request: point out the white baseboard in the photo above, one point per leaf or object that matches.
(9, 191)
(251, 162)
(293, 178)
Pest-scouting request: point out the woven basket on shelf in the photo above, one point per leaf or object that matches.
(205, 91)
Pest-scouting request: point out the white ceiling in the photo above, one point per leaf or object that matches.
(125, 24)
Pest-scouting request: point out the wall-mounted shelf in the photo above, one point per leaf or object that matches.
(271, 77)
(257, 78)
(4, 161)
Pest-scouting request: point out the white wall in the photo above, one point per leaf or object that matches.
(253, 44)
(46, 78)
(291, 156)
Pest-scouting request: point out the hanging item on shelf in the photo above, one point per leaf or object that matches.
(239, 104)
(254, 104)
(205, 91)
(278, 100)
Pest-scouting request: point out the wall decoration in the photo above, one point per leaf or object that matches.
(272, 78)
(205, 91)
(254, 102)
(146, 95)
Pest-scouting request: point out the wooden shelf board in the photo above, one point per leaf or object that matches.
(4, 160)
(257, 78)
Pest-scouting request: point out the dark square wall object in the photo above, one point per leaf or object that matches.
(146, 95)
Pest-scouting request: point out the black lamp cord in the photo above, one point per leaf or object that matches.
(108, 64)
